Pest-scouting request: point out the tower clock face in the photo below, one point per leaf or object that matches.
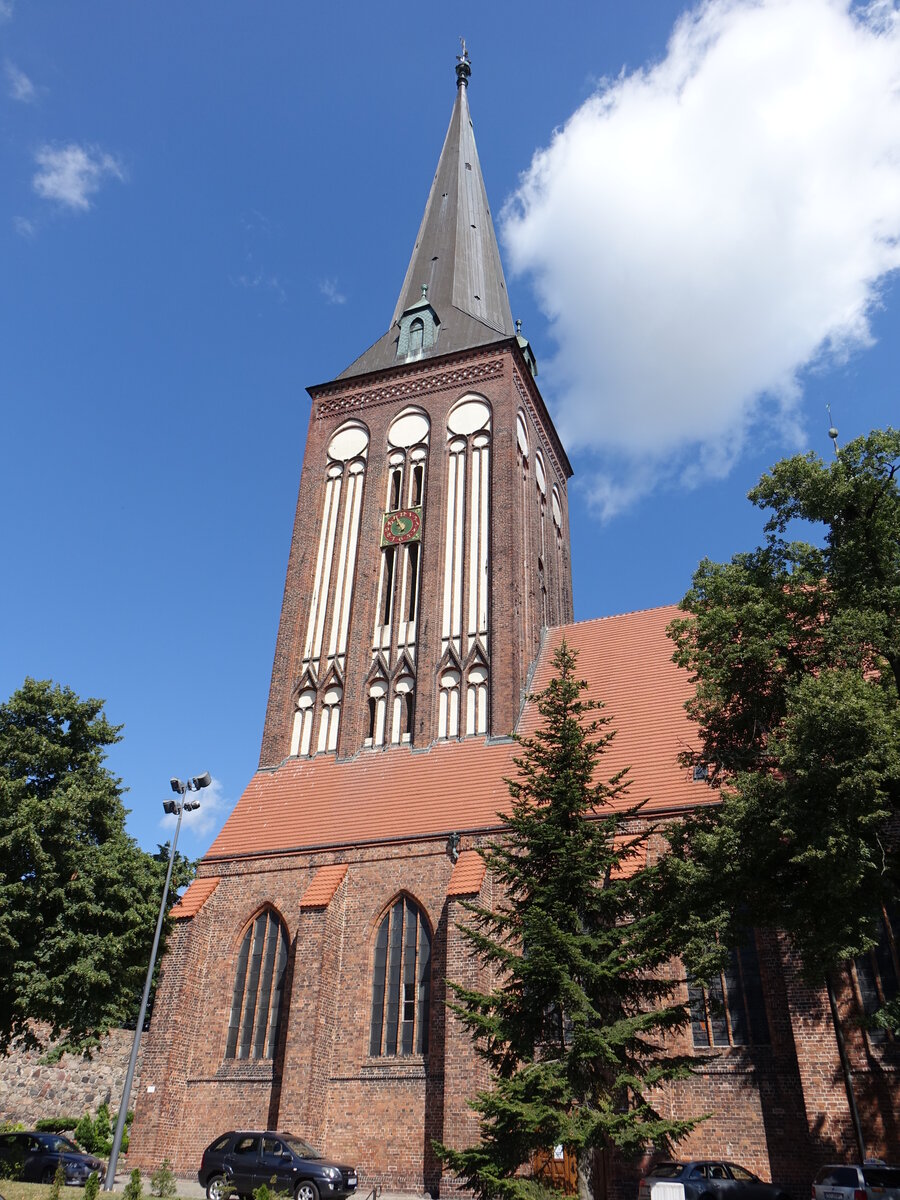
(401, 526)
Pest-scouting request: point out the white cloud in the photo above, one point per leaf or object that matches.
(18, 84)
(211, 814)
(332, 293)
(23, 227)
(6, 10)
(702, 230)
(72, 174)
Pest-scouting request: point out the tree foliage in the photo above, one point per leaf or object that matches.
(78, 898)
(573, 1027)
(795, 651)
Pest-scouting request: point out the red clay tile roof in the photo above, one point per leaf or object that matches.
(195, 897)
(400, 792)
(325, 883)
(468, 874)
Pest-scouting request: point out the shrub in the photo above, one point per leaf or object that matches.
(59, 1181)
(134, 1189)
(94, 1134)
(55, 1124)
(92, 1186)
(162, 1181)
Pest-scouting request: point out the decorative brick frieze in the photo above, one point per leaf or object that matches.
(410, 388)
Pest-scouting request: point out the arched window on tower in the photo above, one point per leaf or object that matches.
(476, 699)
(303, 719)
(377, 712)
(448, 714)
(258, 989)
(402, 720)
(401, 982)
(330, 719)
(416, 336)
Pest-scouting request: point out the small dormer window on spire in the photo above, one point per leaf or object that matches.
(419, 328)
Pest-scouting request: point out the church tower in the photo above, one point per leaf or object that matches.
(431, 540)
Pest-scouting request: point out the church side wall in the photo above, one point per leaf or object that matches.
(778, 1108)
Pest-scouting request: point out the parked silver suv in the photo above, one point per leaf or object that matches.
(871, 1181)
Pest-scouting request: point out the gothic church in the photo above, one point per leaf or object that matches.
(428, 584)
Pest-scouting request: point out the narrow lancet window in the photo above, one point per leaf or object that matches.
(401, 982)
(258, 987)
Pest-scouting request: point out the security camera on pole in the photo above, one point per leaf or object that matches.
(179, 806)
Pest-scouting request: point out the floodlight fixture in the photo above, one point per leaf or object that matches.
(170, 807)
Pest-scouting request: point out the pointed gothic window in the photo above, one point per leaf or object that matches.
(258, 986)
(416, 336)
(401, 982)
(731, 1011)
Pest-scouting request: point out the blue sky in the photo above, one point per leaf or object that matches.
(206, 207)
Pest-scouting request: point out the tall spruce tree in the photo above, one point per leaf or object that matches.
(574, 1029)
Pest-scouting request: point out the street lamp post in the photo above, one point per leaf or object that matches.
(178, 806)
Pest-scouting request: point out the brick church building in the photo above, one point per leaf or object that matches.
(428, 584)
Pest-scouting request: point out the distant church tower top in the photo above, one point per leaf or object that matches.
(455, 256)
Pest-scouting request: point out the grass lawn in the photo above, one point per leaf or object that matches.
(11, 1189)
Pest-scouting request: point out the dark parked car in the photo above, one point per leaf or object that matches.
(706, 1179)
(34, 1157)
(240, 1162)
(871, 1181)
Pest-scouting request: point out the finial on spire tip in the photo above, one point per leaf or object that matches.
(424, 291)
(832, 432)
(463, 66)
(518, 328)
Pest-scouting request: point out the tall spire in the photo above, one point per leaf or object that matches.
(456, 254)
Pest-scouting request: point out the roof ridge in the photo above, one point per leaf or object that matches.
(631, 612)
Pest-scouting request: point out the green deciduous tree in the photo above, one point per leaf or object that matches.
(78, 897)
(795, 649)
(573, 1027)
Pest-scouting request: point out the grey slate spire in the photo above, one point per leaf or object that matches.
(455, 256)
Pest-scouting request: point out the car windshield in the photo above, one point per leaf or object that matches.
(300, 1147)
(666, 1170)
(882, 1177)
(59, 1145)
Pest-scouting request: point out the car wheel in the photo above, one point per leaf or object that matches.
(306, 1190)
(217, 1188)
(49, 1173)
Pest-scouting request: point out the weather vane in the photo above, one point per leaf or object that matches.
(463, 66)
